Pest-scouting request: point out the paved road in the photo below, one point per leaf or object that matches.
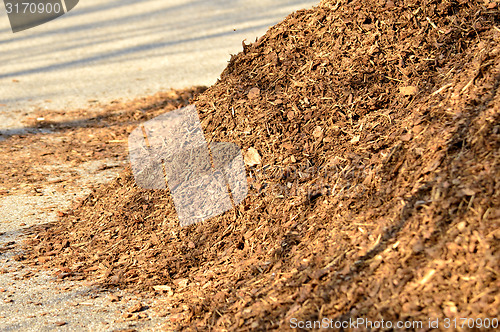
(104, 50)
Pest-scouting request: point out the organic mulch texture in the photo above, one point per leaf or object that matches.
(377, 194)
(74, 137)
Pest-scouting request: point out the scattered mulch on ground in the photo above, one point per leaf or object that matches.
(377, 195)
(29, 161)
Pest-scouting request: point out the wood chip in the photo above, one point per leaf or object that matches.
(113, 298)
(164, 288)
(253, 93)
(318, 132)
(252, 157)
(136, 307)
(408, 90)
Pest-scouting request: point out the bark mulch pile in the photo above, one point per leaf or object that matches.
(377, 195)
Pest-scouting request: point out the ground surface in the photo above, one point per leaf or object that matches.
(377, 194)
(44, 173)
(122, 49)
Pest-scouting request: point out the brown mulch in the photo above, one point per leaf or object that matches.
(74, 137)
(377, 196)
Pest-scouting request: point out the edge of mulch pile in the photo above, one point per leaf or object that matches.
(73, 137)
(377, 197)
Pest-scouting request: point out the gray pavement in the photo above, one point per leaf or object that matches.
(105, 50)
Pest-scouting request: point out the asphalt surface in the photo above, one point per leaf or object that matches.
(99, 52)
(121, 49)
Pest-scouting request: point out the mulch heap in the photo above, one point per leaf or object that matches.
(378, 193)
